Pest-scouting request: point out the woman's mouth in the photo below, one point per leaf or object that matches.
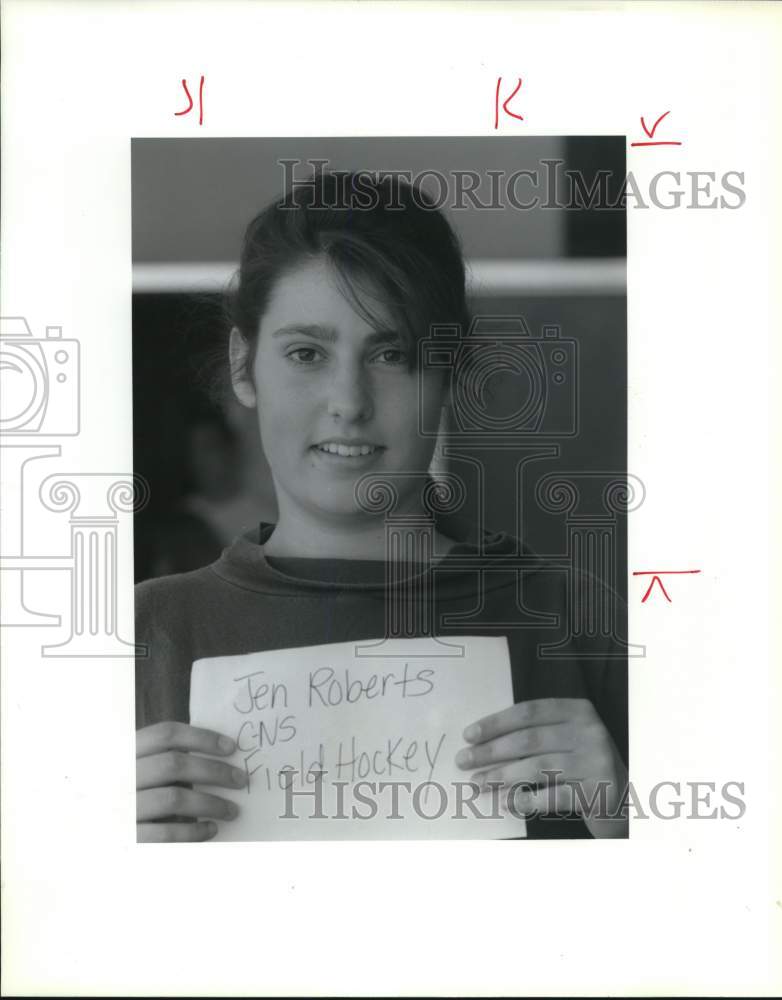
(346, 450)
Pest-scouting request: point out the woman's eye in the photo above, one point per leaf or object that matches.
(304, 355)
(392, 356)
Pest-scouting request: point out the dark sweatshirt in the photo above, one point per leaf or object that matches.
(245, 602)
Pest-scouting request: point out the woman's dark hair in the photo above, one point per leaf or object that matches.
(385, 240)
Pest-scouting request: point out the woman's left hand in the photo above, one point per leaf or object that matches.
(559, 745)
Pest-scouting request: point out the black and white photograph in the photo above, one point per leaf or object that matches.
(380, 574)
(389, 446)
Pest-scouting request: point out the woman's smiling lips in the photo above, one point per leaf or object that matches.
(347, 452)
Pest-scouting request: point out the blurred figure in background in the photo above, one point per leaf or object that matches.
(218, 495)
(223, 495)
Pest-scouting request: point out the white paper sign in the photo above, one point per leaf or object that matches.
(340, 743)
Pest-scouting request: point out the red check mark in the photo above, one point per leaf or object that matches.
(650, 135)
(654, 127)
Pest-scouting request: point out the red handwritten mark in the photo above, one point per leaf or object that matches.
(189, 107)
(655, 575)
(650, 135)
(505, 103)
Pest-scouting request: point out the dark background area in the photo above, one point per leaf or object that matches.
(188, 207)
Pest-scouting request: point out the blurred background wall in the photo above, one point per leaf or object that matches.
(191, 200)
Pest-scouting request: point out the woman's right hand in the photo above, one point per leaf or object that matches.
(168, 753)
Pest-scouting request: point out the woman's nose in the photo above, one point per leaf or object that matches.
(350, 398)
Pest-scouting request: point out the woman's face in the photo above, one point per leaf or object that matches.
(335, 398)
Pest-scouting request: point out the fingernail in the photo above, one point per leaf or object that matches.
(226, 744)
(464, 757)
(211, 828)
(240, 777)
(472, 733)
(231, 811)
(521, 801)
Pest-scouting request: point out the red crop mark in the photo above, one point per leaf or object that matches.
(655, 575)
(189, 107)
(505, 103)
(650, 135)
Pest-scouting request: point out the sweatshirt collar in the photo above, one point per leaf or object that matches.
(244, 564)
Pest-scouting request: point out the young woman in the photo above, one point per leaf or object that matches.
(337, 286)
